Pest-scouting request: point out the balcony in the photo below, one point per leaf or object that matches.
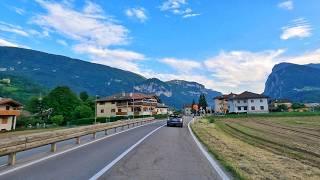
(121, 113)
(9, 112)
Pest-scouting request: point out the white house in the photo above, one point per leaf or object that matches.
(248, 102)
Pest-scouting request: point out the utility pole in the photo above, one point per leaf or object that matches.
(95, 110)
(133, 100)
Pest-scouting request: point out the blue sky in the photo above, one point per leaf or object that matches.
(229, 46)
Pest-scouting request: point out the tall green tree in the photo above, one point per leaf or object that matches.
(84, 96)
(203, 102)
(63, 101)
(82, 111)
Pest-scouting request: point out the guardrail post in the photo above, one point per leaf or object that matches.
(53, 147)
(106, 132)
(12, 158)
(115, 129)
(94, 135)
(78, 140)
(122, 127)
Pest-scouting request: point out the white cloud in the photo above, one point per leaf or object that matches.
(242, 70)
(178, 7)
(81, 26)
(7, 43)
(137, 13)
(118, 58)
(299, 28)
(6, 27)
(181, 65)
(305, 58)
(288, 5)
(191, 15)
(62, 42)
(19, 11)
(93, 32)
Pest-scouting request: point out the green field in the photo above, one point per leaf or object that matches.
(264, 146)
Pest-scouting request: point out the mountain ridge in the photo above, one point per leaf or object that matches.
(50, 70)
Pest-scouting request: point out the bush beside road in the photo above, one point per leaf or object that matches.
(264, 147)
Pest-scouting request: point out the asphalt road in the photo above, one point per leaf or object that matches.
(168, 153)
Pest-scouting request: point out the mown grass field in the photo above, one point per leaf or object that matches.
(265, 147)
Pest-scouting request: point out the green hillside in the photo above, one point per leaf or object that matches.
(18, 88)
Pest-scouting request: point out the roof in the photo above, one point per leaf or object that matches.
(9, 101)
(159, 105)
(249, 95)
(126, 96)
(226, 96)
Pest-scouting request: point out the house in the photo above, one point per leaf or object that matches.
(248, 102)
(161, 109)
(9, 110)
(273, 106)
(187, 110)
(221, 103)
(127, 104)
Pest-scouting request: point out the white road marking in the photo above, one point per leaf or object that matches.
(68, 150)
(213, 163)
(110, 165)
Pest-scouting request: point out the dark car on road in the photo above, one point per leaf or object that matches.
(175, 120)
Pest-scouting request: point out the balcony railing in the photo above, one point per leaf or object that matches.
(9, 112)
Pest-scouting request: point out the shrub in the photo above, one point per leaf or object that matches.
(57, 119)
(82, 111)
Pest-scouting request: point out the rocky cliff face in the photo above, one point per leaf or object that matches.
(299, 83)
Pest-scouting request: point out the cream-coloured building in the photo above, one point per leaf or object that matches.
(9, 110)
(127, 104)
(161, 109)
(221, 103)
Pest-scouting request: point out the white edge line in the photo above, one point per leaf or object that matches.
(68, 150)
(213, 163)
(112, 163)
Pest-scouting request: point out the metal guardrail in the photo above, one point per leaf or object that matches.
(11, 146)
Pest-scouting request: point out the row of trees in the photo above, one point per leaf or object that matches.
(61, 105)
(202, 104)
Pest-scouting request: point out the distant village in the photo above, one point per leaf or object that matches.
(133, 105)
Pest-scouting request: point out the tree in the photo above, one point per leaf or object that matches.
(84, 96)
(282, 108)
(82, 111)
(57, 119)
(63, 101)
(297, 105)
(203, 102)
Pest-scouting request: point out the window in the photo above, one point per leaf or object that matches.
(113, 110)
(4, 121)
(7, 107)
(262, 107)
(101, 103)
(102, 110)
(239, 108)
(261, 100)
(238, 101)
(245, 101)
(246, 108)
(252, 100)
(113, 102)
(253, 108)
(119, 110)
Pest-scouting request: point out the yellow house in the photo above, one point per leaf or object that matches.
(9, 110)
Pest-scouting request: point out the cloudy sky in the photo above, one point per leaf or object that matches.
(229, 46)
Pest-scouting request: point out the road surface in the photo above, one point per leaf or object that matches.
(158, 152)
